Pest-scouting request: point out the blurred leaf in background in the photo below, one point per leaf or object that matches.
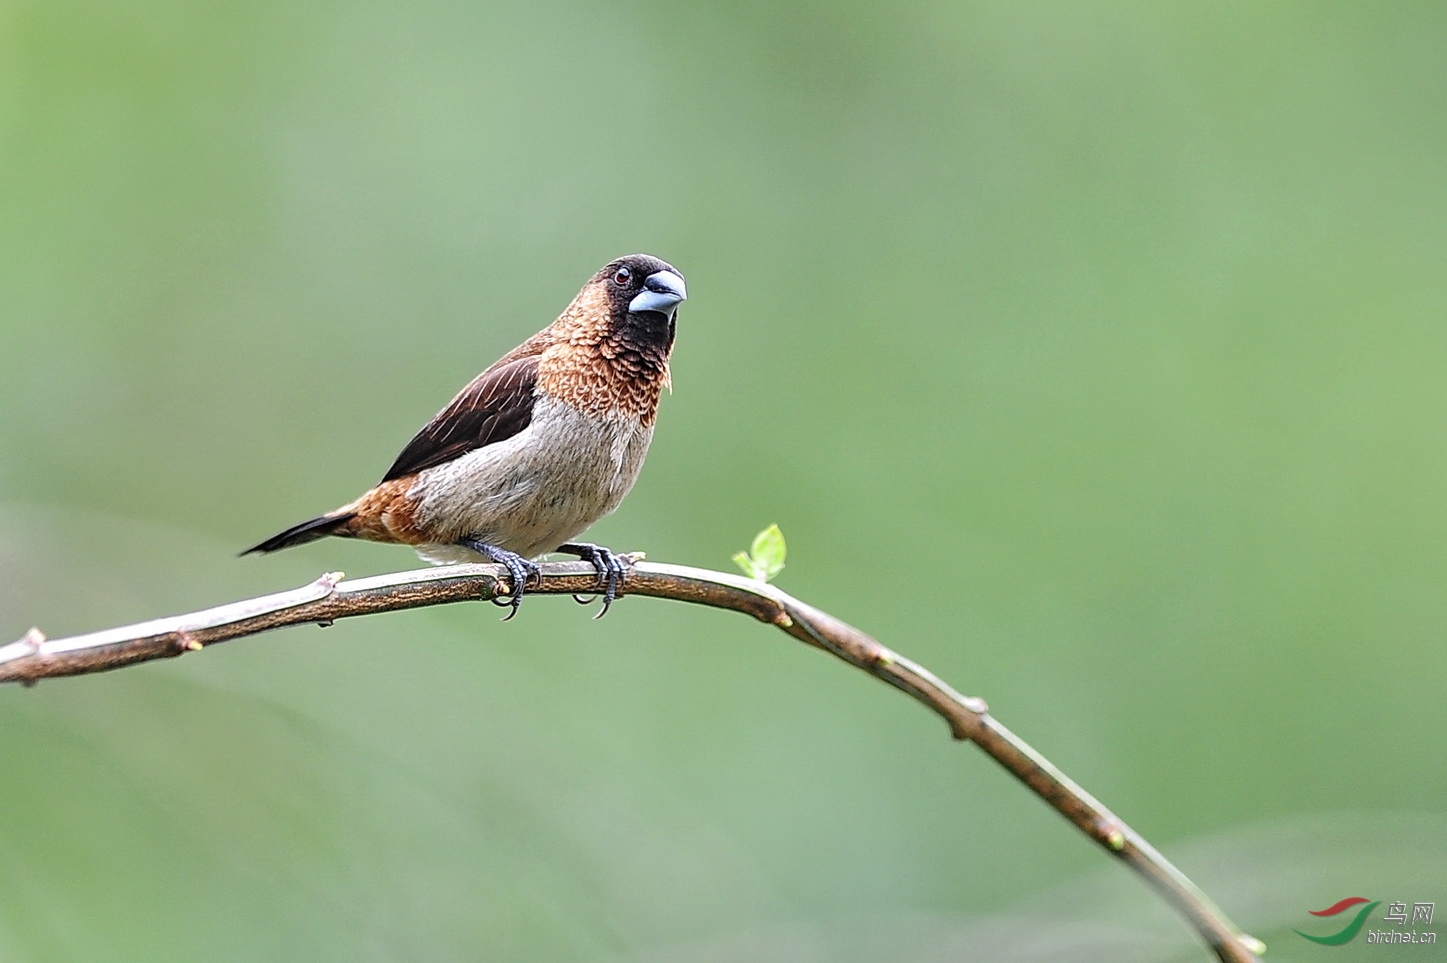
(1093, 356)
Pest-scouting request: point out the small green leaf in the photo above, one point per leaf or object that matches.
(765, 558)
(742, 560)
(769, 550)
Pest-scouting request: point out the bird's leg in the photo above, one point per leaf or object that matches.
(611, 570)
(520, 568)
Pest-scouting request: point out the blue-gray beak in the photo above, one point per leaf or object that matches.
(662, 292)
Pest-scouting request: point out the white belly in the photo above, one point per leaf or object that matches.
(536, 490)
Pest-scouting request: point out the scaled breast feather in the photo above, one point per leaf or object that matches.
(495, 406)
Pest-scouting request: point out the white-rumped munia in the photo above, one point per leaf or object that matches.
(539, 446)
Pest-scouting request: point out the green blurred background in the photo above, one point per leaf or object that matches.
(1093, 355)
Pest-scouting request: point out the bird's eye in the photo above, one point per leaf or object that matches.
(622, 276)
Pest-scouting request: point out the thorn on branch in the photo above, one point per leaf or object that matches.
(33, 638)
(31, 642)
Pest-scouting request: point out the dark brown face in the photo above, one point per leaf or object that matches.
(644, 293)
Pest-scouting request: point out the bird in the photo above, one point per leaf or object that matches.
(542, 444)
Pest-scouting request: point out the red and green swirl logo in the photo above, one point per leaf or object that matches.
(1348, 932)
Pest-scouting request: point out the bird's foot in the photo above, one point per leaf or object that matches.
(519, 568)
(611, 570)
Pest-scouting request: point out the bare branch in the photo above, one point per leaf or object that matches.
(330, 598)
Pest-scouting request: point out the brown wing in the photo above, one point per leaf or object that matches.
(495, 406)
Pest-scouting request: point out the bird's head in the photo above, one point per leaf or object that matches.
(643, 294)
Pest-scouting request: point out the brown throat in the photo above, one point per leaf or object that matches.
(601, 367)
(612, 376)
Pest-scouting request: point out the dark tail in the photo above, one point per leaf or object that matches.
(305, 532)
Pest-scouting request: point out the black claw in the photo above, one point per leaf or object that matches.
(519, 568)
(611, 570)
